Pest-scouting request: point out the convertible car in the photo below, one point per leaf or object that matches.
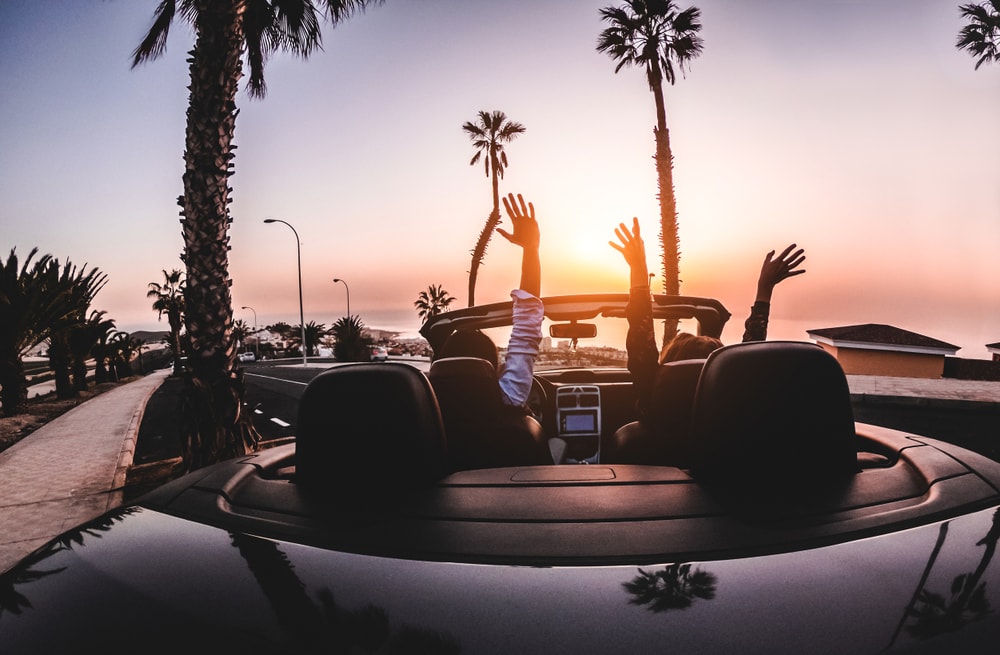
(747, 512)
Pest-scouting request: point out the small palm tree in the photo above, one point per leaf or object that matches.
(656, 36)
(314, 335)
(432, 302)
(103, 353)
(241, 331)
(489, 136)
(82, 341)
(216, 426)
(981, 37)
(168, 298)
(77, 288)
(351, 344)
(27, 313)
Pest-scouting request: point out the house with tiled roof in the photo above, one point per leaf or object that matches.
(995, 349)
(874, 349)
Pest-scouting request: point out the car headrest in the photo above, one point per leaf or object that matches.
(369, 433)
(773, 414)
(465, 385)
(673, 393)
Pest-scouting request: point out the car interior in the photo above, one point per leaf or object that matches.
(753, 450)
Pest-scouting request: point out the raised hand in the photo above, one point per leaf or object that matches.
(775, 269)
(633, 250)
(523, 221)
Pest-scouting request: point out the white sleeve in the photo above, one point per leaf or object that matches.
(525, 337)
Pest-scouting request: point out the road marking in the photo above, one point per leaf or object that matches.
(268, 377)
(280, 422)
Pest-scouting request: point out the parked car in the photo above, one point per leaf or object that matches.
(364, 537)
(248, 356)
(380, 354)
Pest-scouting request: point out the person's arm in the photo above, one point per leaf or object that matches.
(526, 332)
(640, 342)
(526, 235)
(772, 271)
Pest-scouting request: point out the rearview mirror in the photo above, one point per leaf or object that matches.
(573, 330)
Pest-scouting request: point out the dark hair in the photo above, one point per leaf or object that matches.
(688, 346)
(469, 343)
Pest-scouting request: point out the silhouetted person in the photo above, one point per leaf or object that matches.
(526, 332)
(643, 358)
(484, 405)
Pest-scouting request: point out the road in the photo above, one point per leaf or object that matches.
(274, 388)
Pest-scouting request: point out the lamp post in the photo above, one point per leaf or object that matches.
(298, 252)
(256, 339)
(337, 279)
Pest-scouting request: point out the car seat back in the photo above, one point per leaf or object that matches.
(481, 430)
(369, 433)
(662, 434)
(773, 414)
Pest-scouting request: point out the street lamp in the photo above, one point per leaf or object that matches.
(256, 339)
(298, 251)
(337, 279)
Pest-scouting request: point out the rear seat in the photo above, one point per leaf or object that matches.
(662, 436)
(773, 415)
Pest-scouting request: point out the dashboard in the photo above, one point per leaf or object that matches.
(583, 408)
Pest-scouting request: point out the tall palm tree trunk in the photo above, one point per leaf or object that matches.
(669, 239)
(215, 424)
(479, 252)
(174, 321)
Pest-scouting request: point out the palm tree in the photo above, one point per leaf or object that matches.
(655, 35)
(432, 302)
(76, 288)
(103, 353)
(82, 342)
(981, 37)
(351, 344)
(168, 298)
(240, 333)
(224, 30)
(489, 136)
(26, 316)
(314, 334)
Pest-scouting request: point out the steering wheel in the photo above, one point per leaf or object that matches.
(536, 400)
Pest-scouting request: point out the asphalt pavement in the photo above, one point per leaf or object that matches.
(73, 469)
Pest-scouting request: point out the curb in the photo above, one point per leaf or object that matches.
(128, 446)
(923, 401)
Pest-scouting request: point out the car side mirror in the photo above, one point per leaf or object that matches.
(573, 330)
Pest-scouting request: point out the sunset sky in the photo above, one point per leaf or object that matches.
(854, 128)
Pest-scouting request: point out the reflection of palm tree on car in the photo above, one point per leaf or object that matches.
(26, 572)
(932, 613)
(655, 36)
(673, 587)
(321, 625)
(489, 137)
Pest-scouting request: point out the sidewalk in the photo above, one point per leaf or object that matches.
(943, 391)
(70, 470)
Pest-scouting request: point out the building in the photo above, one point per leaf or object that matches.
(873, 349)
(995, 349)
